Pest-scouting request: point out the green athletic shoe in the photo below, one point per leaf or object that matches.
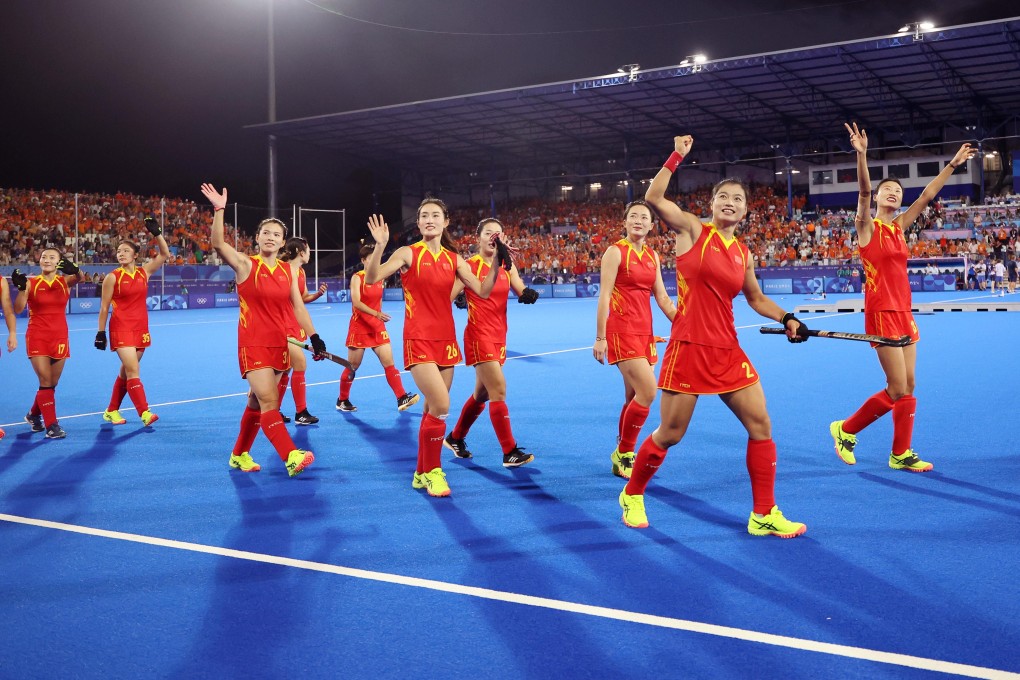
(909, 461)
(148, 418)
(775, 524)
(244, 463)
(623, 463)
(433, 481)
(633, 510)
(113, 417)
(844, 442)
(297, 461)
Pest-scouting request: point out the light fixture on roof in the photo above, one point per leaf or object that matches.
(695, 61)
(629, 70)
(918, 28)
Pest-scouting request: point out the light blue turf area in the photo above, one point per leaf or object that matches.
(915, 564)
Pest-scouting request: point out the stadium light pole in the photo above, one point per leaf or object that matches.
(272, 114)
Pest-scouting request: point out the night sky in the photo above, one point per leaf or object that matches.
(150, 96)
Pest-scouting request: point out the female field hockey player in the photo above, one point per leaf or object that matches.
(46, 343)
(127, 287)
(887, 305)
(485, 348)
(703, 356)
(367, 330)
(631, 274)
(268, 295)
(296, 254)
(429, 269)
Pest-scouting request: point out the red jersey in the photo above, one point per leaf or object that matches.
(629, 309)
(887, 288)
(371, 296)
(266, 309)
(708, 277)
(428, 283)
(487, 317)
(129, 293)
(47, 306)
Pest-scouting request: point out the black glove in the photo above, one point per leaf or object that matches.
(67, 267)
(19, 280)
(802, 330)
(503, 258)
(153, 226)
(318, 347)
(460, 301)
(101, 340)
(528, 297)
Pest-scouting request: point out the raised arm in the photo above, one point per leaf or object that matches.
(9, 317)
(685, 224)
(233, 259)
(859, 141)
(965, 153)
(162, 249)
(375, 268)
(607, 282)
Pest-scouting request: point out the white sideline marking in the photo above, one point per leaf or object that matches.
(546, 603)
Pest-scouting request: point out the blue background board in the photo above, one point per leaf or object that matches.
(921, 565)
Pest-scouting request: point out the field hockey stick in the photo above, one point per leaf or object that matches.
(325, 355)
(839, 335)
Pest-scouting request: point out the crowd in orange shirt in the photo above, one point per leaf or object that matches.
(31, 220)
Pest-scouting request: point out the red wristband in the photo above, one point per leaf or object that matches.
(673, 162)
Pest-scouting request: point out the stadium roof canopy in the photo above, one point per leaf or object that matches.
(955, 83)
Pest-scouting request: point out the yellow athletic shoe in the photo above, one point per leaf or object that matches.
(297, 461)
(434, 481)
(909, 461)
(244, 463)
(148, 418)
(623, 463)
(844, 442)
(113, 417)
(775, 524)
(633, 510)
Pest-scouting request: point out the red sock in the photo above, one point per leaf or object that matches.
(46, 400)
(761, 466)
(137, 394)
(499, 414)
(903, 423)
(281, 388)
(249, 428)
(393, 378)
(874, 408)
(468, 415)
(276, 431)
(420, 465)
(346, 381)
(432, 432)
(646, 464)
(619, 425)
(297, 390)
(34, 411)
(634, 417)
(119, 391)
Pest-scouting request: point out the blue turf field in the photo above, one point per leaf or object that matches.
(347, 571)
